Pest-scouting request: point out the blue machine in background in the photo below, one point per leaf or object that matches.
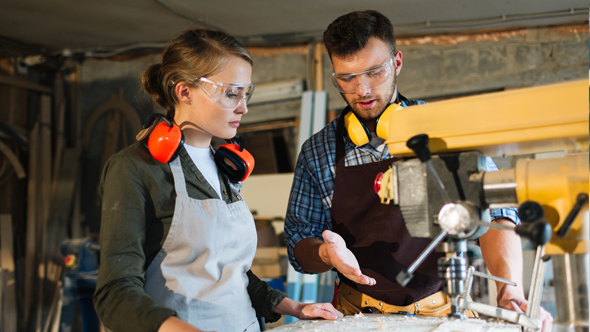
(79, 281)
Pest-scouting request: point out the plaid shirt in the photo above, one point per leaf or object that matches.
(310, 202)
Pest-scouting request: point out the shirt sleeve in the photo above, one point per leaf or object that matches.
(509, 213)
(305, 213)
(120, 300)
(264, 298)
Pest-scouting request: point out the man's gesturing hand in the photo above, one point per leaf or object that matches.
(333, 252)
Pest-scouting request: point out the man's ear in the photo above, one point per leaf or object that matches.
(183, 92)
(398, 62)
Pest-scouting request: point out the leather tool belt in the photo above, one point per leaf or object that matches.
(350, 302)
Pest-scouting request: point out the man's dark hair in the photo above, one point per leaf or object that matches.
(349, 33)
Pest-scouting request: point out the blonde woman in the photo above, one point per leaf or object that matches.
(176, 239)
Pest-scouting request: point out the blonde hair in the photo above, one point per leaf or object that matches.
(193, 54)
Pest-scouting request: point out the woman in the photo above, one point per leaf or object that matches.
(176, 239)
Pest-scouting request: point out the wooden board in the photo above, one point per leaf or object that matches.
(32, 214)
(9, 318)
(398, 323)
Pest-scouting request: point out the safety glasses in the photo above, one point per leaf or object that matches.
(227, 95)
(372, 78)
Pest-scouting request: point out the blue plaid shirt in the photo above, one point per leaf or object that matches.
(310, 202)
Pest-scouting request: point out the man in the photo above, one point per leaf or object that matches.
(332, 203)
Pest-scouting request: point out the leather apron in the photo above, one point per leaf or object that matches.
(376, 233)
(201, 269)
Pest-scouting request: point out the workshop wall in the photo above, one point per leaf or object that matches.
(434, 67)
(438, 67)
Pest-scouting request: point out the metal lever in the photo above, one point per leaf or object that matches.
(581, 201)
(538, 232)
(505, 314)
(405, 275)
(509, 315)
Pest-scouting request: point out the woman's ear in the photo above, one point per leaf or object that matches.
(183, 92)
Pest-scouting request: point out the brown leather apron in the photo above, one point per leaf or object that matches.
(376, 234)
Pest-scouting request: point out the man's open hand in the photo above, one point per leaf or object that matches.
(334, 253)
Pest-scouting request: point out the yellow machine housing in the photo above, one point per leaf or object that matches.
(524, 121)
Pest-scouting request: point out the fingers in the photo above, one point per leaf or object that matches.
(331, 237)
(321, 310)
(360, 278)
(547, 320)
(366, 280)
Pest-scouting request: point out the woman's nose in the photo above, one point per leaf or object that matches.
(242, 108)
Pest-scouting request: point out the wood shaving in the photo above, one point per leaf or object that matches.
(382, 327)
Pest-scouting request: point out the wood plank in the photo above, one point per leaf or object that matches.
(61, 205)
(267, 270)
(32, 211)
(44, 200)
(20, 83)
(60, 140)
(13, 159)
(9, 318)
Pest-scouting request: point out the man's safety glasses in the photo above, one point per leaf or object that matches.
(372, 78)
(227, 95)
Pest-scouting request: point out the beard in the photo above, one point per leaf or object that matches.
(381, 102)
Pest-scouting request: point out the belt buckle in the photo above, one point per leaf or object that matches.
(404, 313)
(371, 310)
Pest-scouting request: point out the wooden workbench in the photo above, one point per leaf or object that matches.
(388, 323)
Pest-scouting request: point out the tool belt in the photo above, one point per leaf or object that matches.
(350, 301)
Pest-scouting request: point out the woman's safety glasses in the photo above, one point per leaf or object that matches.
(371, 78)
(227, 95)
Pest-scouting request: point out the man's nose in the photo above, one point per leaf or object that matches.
(362, 89)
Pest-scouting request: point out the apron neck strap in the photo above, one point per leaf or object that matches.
(179, 181)
(340, 139)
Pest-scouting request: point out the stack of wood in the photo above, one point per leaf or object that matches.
(270, 260)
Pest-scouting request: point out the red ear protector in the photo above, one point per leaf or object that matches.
(359, 133)
(234, 161)
(166, 140)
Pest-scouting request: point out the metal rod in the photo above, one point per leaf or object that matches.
(536, 288)
(468, 282)
(426, 252)
(505, 314)
(492, 277)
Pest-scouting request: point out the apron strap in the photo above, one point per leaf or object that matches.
(340, 150)
(179, 181)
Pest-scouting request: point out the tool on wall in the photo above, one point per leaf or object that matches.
(446, 196)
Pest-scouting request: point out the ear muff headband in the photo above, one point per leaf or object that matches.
(357, 131)
(234, 161)
(382, 123)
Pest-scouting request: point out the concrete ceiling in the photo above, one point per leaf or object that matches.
(105, 25)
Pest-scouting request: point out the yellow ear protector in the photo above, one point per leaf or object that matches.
(359, 133)
(165, 140)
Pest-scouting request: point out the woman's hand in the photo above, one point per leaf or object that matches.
(319, 310)
(174, 324)
(307, 311)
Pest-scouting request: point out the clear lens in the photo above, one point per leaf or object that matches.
(228, 95)
(372, 78)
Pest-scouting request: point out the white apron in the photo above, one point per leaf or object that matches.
(201, 269)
